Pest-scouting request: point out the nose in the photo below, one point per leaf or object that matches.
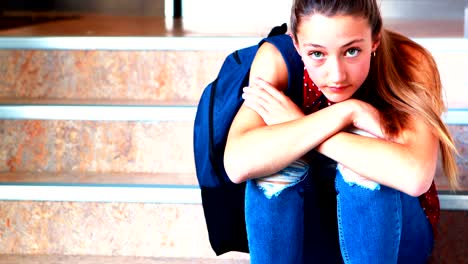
(336, 71)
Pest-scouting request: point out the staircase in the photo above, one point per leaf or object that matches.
(96, 160)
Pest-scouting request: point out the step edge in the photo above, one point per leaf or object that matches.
(177, 43)
(126, 43)
(129, 178)
(98, 112)
(137, 113)
(166, 194)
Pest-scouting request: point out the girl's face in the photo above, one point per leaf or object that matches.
(336, 52)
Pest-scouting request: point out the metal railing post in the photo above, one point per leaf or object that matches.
(177, 9)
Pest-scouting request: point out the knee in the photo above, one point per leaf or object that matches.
(348, 178)
(290, 176)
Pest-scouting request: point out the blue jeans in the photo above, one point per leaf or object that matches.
(381, 226)
(320, 220)
(298, 225)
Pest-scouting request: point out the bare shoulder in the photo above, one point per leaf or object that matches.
(270, 66)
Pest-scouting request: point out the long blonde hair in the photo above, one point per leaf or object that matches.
(395, 83)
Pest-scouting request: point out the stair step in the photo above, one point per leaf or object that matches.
(146, 193)
(89, 112)
(109, 229)
(125, 193)
(96, 146)
(86, 259)
(150, 77)
(159, 74)
(77, 231)
(96, 178)
(121, 152)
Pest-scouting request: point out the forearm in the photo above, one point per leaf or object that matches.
(395, 165)
(263, 150)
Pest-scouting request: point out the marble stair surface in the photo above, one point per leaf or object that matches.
(62, 259)
(102, 162)
(96, 121)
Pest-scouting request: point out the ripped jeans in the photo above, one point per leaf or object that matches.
(320, 218)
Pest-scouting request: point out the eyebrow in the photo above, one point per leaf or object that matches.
(345, 45)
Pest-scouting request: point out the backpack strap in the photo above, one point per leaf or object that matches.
(294, 65)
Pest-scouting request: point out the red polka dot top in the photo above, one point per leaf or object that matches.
(314, 100)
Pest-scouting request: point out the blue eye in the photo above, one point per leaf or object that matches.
(316, 55)
(352, 52)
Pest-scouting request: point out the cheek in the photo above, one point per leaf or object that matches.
(358, 72)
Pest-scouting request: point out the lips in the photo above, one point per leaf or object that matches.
(338, 89)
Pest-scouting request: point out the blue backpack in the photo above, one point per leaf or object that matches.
(222, 200)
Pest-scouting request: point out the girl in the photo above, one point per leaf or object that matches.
(380, 205)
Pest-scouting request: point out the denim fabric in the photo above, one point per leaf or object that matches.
(381, 226)
(297, 224)
(275, 225)
(274, 184)
(311, 222)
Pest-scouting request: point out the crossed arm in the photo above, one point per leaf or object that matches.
(270, 131)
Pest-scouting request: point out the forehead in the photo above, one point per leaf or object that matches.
(333, 31)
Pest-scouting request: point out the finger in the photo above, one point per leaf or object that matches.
(255, 102)
(270, 89)
(256, 94)
(260, 93)
(257, 108)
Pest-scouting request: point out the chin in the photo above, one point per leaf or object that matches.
(337, 98)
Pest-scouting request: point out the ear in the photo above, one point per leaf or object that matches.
(296, 45)
(376, 42)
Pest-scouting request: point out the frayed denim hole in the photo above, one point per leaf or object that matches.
(353, 179)
(354, 184)
(271, 190)
(293, 174)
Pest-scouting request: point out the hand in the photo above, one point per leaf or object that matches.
(272, 105)
(367, 118)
